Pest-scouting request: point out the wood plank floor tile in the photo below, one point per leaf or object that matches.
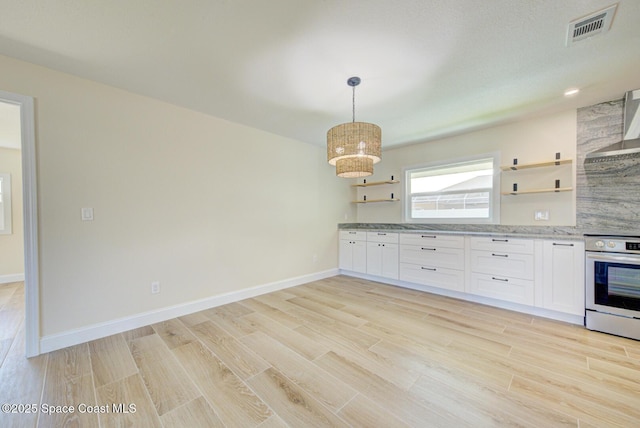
(137, 333)
(119, 395)
(243, 361)
(498, 400)
(193, 319)
(111, 360)
(10, 320)
(234, 403)
(165, 379)
(21, 382)
(364, 413)
(395, 400)
(562, 401)
(304, 346)
(292, 403)
(72, 392)
(195, 414)
(272, 313)
(379, 364)
(329, 312)
(323, 386)
(174, 333)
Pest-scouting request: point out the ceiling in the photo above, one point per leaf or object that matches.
(429, 68)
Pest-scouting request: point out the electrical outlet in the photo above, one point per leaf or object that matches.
(155, 287)
(541, 215)
(315, 259)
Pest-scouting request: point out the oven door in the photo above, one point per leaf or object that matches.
(613, 283)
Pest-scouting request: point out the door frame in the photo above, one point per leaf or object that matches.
(30, 218)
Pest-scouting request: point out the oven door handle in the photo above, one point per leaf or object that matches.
(612, 257)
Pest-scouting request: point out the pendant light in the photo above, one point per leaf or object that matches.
(354, 147)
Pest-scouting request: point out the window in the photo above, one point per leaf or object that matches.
(460, 191)
(5, 204)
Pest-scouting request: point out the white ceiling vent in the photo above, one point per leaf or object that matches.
(589, 26)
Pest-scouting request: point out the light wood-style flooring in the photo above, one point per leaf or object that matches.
(336, 352)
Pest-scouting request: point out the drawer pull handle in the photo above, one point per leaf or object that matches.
(431, 269)
(428, 236)
(382, 234)
(352, 233)
(427, 249)
(500, 279)
(500, 240)
(499, 255)
(563, 245)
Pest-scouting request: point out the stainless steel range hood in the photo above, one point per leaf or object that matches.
(629, 147)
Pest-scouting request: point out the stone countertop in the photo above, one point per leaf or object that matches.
(540, 232)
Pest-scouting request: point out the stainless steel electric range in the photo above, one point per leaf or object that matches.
(613, 285)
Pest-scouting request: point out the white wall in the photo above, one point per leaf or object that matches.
(529, 141)
(11, 246)
(200, 204)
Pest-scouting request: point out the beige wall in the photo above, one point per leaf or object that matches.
(529, 141)
(200, 204)
(11, 246)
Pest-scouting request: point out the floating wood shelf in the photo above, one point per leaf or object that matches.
(375, 183)
(554, 162)
(375, 200)
(552, 190)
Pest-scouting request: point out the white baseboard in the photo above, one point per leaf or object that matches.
(16, 277)
(96, 331)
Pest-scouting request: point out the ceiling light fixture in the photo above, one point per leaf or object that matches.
(355, 146)
(570, 92)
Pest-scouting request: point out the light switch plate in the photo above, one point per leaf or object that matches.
(86, 214)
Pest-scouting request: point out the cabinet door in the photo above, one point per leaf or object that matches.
(359, 256)
(563, 276)
(374, 258)
(390, 261)
(382, 259)
(345, 255)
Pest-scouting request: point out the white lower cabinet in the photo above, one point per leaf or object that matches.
(547, 274)
(433, 260)
(382, 254)
(502, 288)
(352, 254)
(502, 268)
(563, 276)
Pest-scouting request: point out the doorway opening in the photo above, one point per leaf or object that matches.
(25, 106)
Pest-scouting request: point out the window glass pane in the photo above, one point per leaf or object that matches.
(460, 190)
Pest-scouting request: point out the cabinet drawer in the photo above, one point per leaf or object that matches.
(353, 235)
(503, 264)
(391, 238)
(450, 279)
(508, 245)
(432, 256)
(508, 289)
(430, 239)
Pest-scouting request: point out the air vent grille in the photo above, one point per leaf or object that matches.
(589, 26)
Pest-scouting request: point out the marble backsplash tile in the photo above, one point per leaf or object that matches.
(608, 193)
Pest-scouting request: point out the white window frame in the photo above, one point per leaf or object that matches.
(494, 204)
(5, 204)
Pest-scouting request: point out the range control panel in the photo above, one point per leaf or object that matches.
(613, 244)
